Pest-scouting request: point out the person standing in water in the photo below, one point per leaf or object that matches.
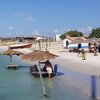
(48, 68)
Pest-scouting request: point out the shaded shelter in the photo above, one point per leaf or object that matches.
(39, 55)
(10, 53)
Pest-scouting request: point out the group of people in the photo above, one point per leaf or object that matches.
(94, 48)
(47, 68)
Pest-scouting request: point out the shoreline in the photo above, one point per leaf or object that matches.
(69, 60)
(76, 71)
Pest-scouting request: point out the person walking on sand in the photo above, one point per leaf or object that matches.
(78, 52)
(95, 49)
(89, 46)
(83, 54)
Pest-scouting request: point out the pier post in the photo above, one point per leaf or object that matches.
(55, 69)
(93, 87)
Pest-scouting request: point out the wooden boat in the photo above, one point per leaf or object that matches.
(12, 66)
(37, 74)
(17, 46)
(44, 73)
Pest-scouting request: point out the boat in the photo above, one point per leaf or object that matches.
(17, 46)
(37, 74)
(12, 66)
(44, 73)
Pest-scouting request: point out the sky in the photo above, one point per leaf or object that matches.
(48, 17)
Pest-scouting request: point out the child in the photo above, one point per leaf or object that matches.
(83, 54)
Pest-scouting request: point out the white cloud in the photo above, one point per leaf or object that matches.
(90, 28)
(85, 30)
(9, 34)
(10, 28)
(0, 14)
(35, 32)
(30, 18)
(19, 14)
(56, 31)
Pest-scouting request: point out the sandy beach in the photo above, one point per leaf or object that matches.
(69, 60)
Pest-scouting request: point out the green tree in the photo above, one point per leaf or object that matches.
(63, 36)
(75, 33)
(72, 33)
(95, 33)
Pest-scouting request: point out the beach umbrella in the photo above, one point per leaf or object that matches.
(10, 53)
(39, 55)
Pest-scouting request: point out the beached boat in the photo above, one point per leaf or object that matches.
(17, 46)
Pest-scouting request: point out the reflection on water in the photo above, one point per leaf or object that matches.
(20, 85)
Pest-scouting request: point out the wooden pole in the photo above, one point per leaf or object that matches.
(46, 44)
(11, 59)
(93, 87)
(39, 45)
(42, 81)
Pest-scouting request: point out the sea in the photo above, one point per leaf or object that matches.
(19, 84)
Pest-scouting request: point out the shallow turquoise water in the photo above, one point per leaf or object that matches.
(20, 85)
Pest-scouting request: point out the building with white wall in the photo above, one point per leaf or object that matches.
(58, 37)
